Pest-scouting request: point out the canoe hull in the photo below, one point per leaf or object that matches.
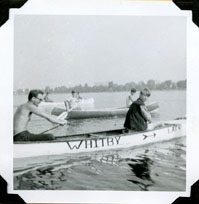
(98, 141)
(97, 113)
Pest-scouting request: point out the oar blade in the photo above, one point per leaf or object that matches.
(63, 116)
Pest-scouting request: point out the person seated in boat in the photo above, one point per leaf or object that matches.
(138, 118)
(79, 98)
(72, 102)
(129, 99)
(23, 115)
(46, 98)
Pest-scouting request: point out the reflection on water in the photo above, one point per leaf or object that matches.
(157, 167)
(141, 169)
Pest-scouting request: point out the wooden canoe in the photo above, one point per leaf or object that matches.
(99, 141)
(97, 113)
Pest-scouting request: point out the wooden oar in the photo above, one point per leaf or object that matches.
(173, 122)
(176, 121)
(155, 113)
(62, 116)
(50, 129)
(56, 126)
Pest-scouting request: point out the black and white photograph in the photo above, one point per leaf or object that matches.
(99, 103)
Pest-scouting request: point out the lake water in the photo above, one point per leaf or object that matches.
(154, 167)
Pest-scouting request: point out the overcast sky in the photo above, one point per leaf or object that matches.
(72, 50)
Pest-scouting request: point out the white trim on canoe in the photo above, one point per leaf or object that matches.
(99, 141)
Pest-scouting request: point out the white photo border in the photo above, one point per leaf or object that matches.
(75, 7)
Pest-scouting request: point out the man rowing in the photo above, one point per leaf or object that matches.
(23, 115)
(138, 118)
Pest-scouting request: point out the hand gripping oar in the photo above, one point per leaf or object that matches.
(62, 116)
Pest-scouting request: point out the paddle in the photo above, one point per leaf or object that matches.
(50, 129)
(62, 116)
(155, 113)
(157, 124)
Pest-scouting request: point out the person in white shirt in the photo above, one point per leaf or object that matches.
(73, 101)
(129, 99)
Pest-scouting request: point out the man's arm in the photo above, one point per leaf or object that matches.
(146, 114)
(48, 117)
(129, 101)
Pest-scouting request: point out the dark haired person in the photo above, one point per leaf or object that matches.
(23, 115)
(46, 98)
(129, 99)
(73, 101)
(138, 118)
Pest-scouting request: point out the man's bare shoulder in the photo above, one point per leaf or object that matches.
(23, 110)
(32, 107)
(22, 107)
(27, 107)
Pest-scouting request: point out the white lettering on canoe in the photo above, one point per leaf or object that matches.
(93, 143)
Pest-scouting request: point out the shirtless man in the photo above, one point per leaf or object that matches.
(23, 114)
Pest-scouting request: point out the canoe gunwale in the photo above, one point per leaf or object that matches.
(95, 135)
(99, 142)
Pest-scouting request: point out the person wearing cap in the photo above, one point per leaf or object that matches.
(138, 117)
(129, 99)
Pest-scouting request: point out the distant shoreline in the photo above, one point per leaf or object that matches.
(112, 87)
(52, 93)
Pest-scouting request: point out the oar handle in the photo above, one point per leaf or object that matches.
(50, 129)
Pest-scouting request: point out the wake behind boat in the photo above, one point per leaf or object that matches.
(99, 141)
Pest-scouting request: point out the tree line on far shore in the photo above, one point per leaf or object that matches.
(113, 87)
